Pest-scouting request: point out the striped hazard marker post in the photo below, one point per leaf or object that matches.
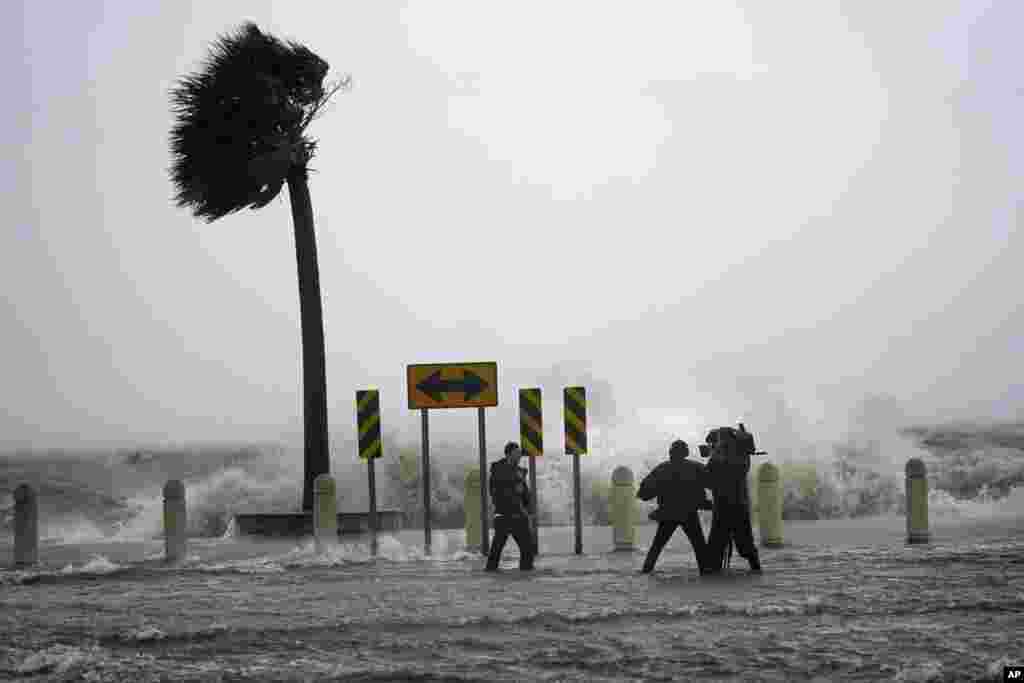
(370, 448)
(531, 438)
(575, 408)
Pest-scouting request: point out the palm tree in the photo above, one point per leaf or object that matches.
(238, 136)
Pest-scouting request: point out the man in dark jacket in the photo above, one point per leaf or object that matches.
(679, 487)
(511, 498)
(728, 467)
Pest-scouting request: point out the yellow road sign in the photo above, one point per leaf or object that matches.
(531, 423)
(575, 420)
(452, 385)
(368, 423)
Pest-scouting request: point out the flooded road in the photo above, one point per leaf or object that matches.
(844, 600)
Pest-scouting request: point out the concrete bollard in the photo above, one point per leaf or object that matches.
(26, 526)
(471, 504)
(769, 505)
(175, 521)
(621, 501)
(408, 468)
(325, 510)
(917, 502)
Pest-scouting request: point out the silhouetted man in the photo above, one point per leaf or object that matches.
(511, 498)
(728, 467)
(679, 485)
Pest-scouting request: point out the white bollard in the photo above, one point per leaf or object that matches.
(769, 505)
(620, 502)
(917, 502)
(26, 526)
(175, 521)
(471, 504)
(325, 511)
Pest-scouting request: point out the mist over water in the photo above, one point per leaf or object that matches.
(975, 471)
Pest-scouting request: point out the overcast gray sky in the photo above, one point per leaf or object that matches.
(708, 210)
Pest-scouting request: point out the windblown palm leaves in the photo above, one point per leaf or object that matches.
(240, 122)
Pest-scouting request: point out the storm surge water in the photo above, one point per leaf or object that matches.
(118, 495)
(844, 600)
(973, 471)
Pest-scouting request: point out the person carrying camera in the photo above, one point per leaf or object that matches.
(679, 485)
(728, 467)
(511, 498)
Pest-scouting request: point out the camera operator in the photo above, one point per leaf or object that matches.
(728, 465)
(679, 487)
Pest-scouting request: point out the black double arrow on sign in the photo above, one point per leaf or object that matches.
(471, 384)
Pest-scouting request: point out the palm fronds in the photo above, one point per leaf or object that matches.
(240, 122)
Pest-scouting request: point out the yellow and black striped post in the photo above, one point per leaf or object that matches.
(531, 438)
(370, 448)
(576, 445)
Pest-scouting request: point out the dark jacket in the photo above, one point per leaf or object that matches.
(728, 475)
(509, 492)
(679, 485)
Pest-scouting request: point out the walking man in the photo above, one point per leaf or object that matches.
(511, 498)
(728, 467)
(679, 485)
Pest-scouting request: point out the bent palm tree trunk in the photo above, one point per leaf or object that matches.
(316, 453)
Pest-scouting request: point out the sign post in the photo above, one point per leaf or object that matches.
(370, 448)
(484, 530)
(453, 385)
(426, 481)
(531, 438)
(575, 401)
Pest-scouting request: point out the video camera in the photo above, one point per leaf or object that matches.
(743, 440)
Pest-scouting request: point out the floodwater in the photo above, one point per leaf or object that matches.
(844, 600)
